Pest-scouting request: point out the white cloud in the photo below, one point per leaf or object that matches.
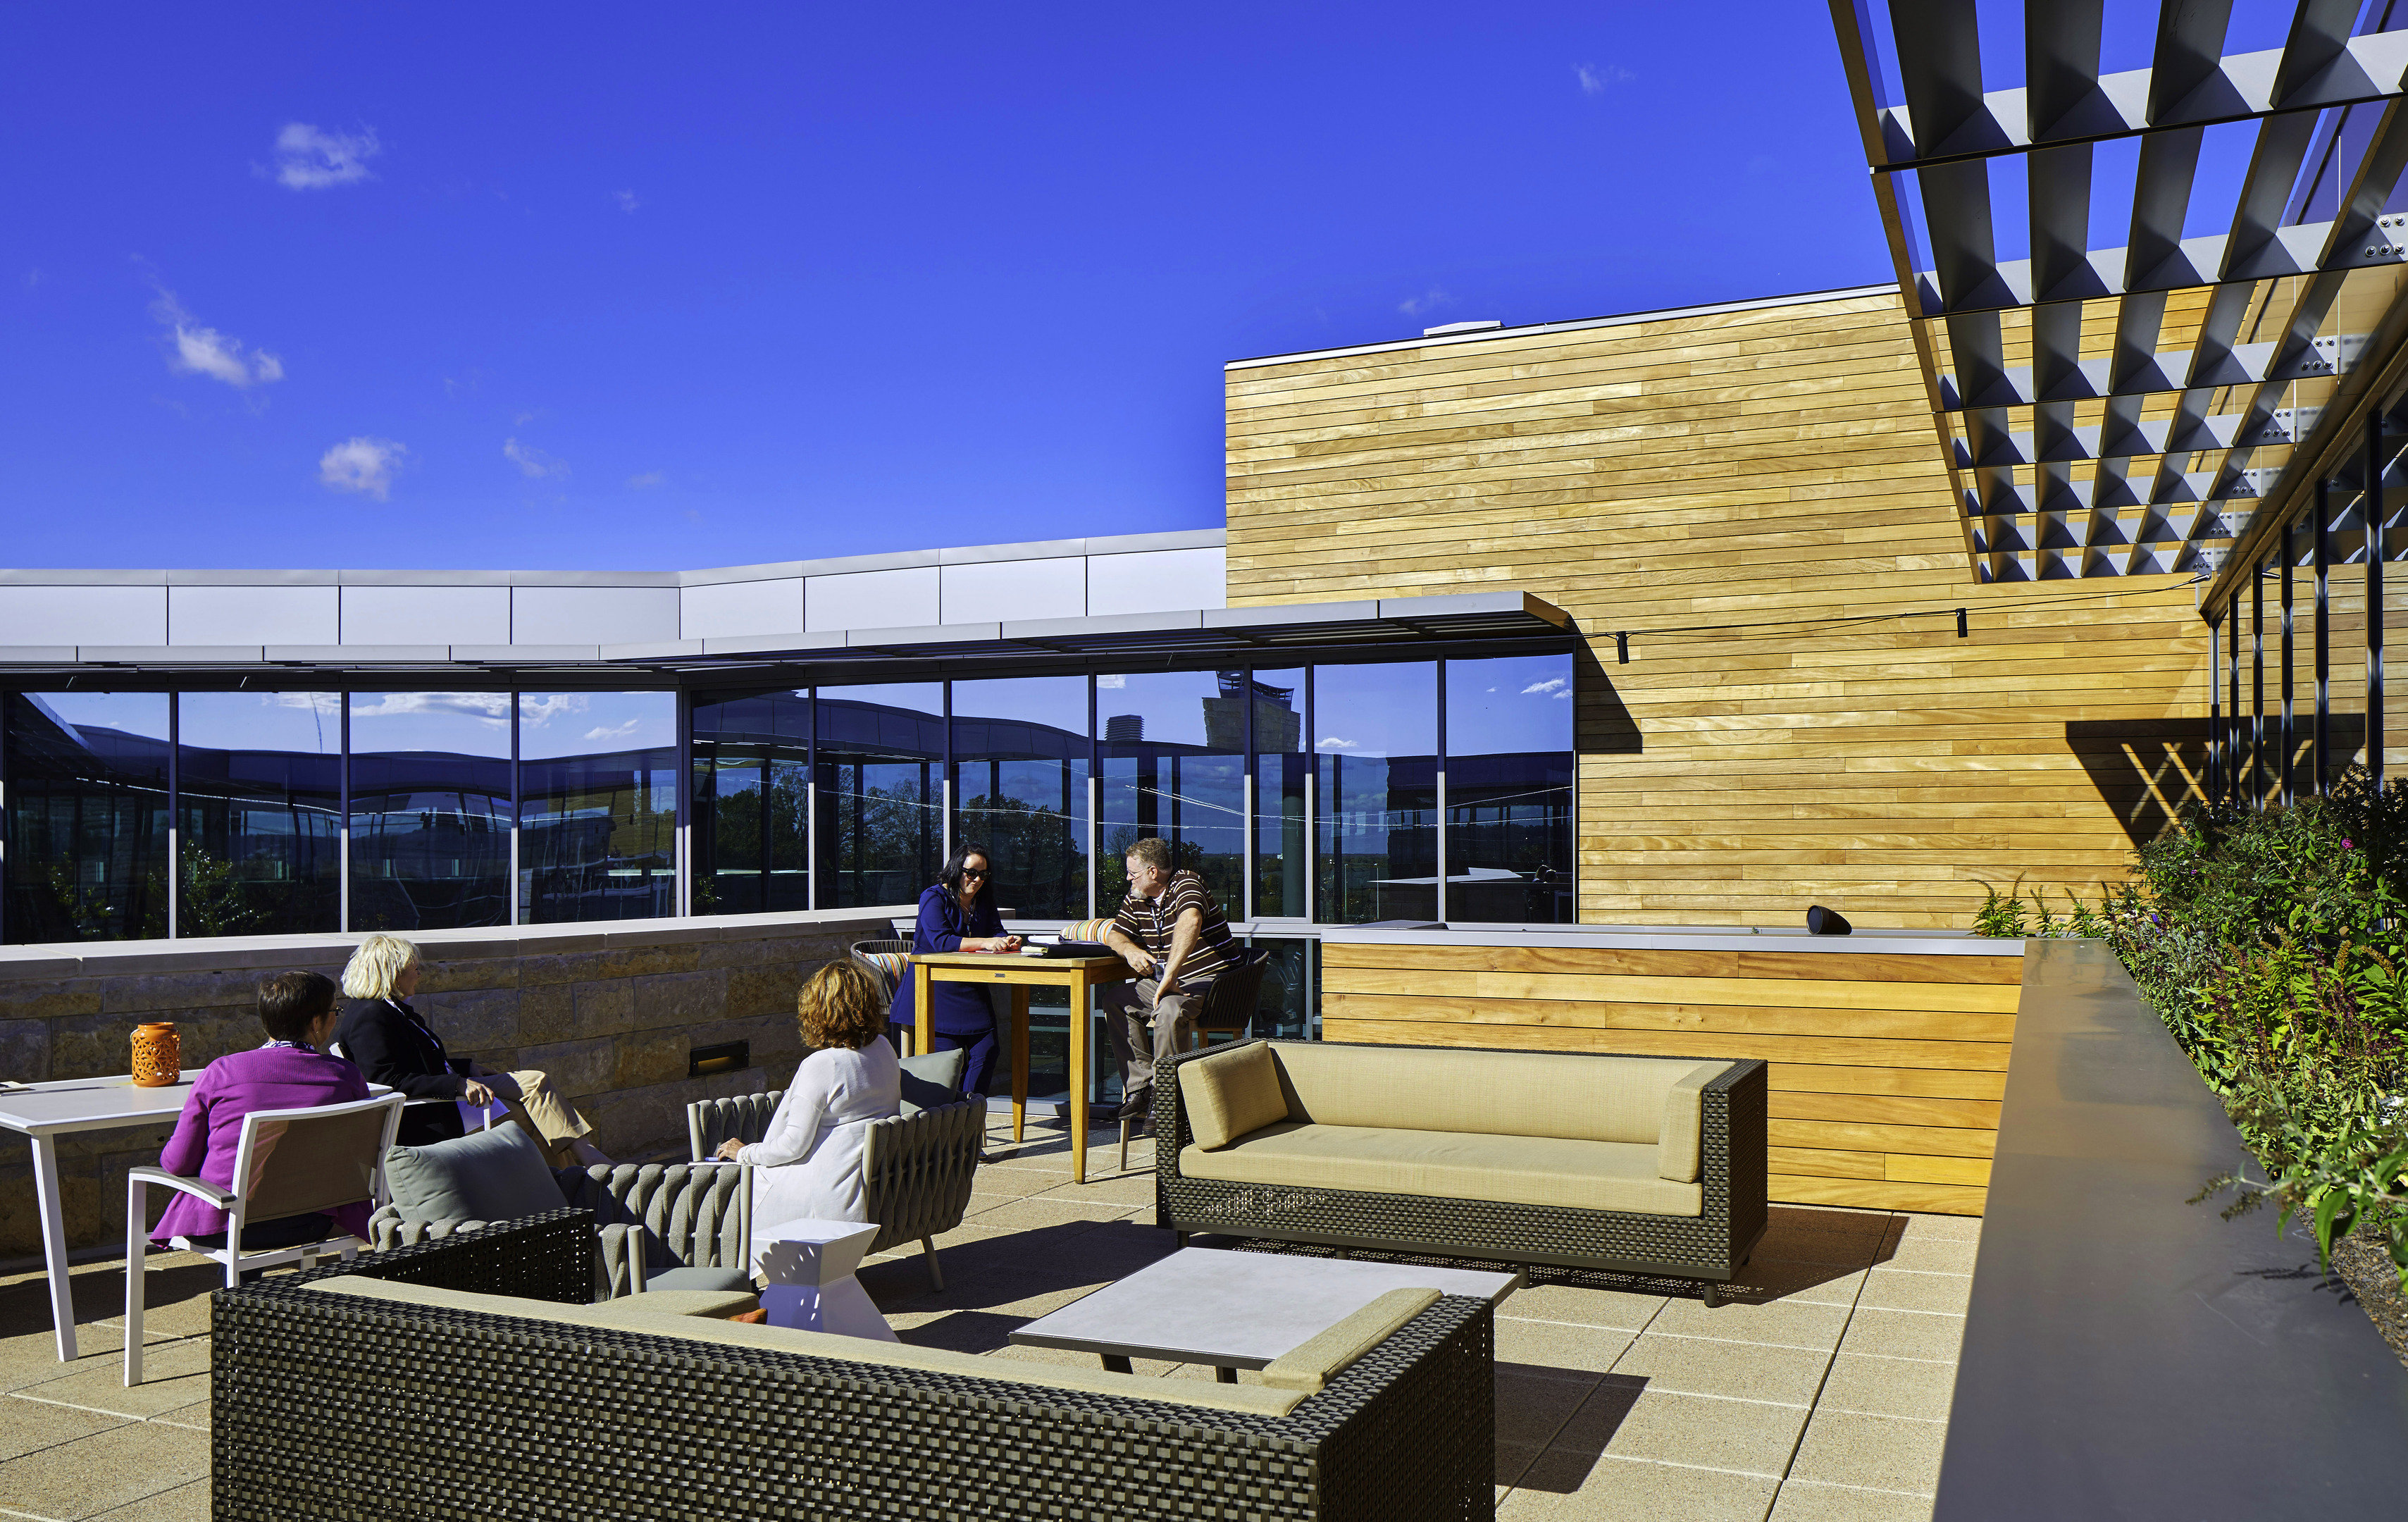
(199, 350)
(646, 481)
(615, 731)
(322, 702)
(311, 158)
(489, 708)
(627, 202)
(1593, 79)
(542, 710)
(1331, 742)
(533, 463)
(1111, 681)
(1552, 687)
(1415, 306)
(363, 464)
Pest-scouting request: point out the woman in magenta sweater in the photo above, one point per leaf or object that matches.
(290, 1072)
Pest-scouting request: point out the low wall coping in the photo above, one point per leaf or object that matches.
(1675, 938)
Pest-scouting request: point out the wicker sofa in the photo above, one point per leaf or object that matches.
(1638, 1165)
(467, 1378)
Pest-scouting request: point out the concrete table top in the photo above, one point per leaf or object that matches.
(1236, 1309)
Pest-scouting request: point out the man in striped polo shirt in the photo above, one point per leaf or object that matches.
(1170, 931)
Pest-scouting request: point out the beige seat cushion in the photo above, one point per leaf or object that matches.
(1231, 1093)
(1322, 1357)
(1451, 1164)
(625, 1315)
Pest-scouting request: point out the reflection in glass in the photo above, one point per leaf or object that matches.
(87, 815)
(1174, 766)
(598, 806)
(259, 794)
(881, 751)
(1509, 790)
(1288, 1009)
(1281, 887)
(1377, 751)
(751, 758)
(1020, 777)
(430, 810)
(2345, 627)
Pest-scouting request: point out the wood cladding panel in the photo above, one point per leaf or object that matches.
(1756, 497)
(1886, 1071)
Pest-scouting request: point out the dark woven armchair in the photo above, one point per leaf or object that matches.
(329, 1404)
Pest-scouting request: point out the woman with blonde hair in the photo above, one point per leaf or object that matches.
(392, 1043)
(810, 1164)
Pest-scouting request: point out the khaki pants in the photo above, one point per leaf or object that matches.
(1129, 1008)
(544, 1114)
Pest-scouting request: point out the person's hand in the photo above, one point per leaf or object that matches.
(1166, 986)
(1008, 943)
(1140, 960)
(477, 1094)
(728, 1149)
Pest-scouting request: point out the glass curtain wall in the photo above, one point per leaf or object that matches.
(1172, 748)
(1282, 761)
(1376, 748)
(1509, 790)
(259, 799)
(87, 815)
(882, 827)
(430, 810)
(751, 840)
(1020, 763)
(598, 806)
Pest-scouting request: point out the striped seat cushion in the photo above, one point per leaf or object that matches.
(888, 965)
(1085, 930)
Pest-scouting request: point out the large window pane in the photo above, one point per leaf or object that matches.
(751, 758)
(259, 792)
(1174, 761)
(2345, 621)
(1509, 789)
(1282, 863)
(1020, 783)
(597, 806)
(1376, 745)
(87, 815)
(881, 830)
(430, 810)
(1288, 1008)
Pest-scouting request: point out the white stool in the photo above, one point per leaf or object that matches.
(809, 1264)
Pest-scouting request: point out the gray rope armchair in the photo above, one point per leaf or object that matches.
(673, 1226)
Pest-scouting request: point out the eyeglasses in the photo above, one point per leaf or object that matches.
(979, 872)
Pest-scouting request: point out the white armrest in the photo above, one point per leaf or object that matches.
(200, 1189)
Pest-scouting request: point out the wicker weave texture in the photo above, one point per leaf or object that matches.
(1709, 1245)
(442, 1414)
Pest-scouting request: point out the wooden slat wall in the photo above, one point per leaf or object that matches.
(1736, 469)
(1886, 1071)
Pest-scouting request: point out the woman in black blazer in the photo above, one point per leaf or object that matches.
(391, 1043)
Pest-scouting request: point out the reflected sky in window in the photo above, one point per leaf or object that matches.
(1508, 706)
(554, 724)
(462, 723)
(133, 713)
(1170, 703)
(303, 724)
(1386, 709)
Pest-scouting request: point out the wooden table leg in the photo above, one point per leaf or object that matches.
(1081, 1016)
(1019, 1061)
(924, 1014)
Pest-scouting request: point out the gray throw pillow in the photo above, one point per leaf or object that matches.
(932, 1080)
(494, 1175)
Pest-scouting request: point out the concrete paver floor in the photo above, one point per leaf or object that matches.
(1819, 1391)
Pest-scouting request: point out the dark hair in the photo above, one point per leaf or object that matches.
(289, 1002)
(963, 851)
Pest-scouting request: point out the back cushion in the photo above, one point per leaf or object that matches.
(495, 1175)
(1572, 1096)
(1231, 1093)
(933, 1079)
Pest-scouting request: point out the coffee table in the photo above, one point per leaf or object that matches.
(810, 1267)
(1236, 1309)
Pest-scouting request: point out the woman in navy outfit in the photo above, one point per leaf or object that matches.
(958, 914)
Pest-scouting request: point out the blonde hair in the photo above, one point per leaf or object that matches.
(373, 968)
(844, 1005)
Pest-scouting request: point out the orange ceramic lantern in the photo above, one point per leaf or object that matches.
(158, 1054)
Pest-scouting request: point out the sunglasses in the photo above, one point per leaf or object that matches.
(974, 871)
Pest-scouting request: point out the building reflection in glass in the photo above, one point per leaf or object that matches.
(1377, 752)
(1509, 790)
(1174, 766)
(881, 755)
(597, 806)
(430, 810)
(752, 770)
(87, 815)
(259, 801)
(1020, 789)
(1282, 881)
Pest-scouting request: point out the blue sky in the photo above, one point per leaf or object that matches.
(635, 287)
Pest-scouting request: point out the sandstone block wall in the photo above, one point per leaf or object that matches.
(610, 1014)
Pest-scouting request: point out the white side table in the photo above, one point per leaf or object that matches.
(809, 1264)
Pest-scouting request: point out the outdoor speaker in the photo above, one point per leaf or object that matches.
(1826, 922)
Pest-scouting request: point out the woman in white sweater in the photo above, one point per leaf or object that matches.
(810, 1164)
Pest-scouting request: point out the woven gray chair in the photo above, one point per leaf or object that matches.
(1226, 1010)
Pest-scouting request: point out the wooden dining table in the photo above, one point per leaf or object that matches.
(1080, 975)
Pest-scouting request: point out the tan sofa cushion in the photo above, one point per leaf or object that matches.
(1315, 1361)
(1252, 1398)
(1451, 1164)
(1684, 1122)
(1570, 1097)
(1231, 1092)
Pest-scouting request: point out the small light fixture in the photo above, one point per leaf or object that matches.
(1622, 648)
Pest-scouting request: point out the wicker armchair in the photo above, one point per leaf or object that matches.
(916, 1169)
(656, 1225)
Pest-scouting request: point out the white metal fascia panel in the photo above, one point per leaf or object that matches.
(1157, 582)
(83, 615)
(882, 599)
(427, 615)
(254, 615)
(996, 590)
(730, 609)
(592, 615)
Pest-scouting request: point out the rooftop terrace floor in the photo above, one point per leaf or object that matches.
(1820, 1390)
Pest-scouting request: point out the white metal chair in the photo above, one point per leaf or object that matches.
(288, 1163)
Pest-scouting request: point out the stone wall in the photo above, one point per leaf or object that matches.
(610, 1014)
